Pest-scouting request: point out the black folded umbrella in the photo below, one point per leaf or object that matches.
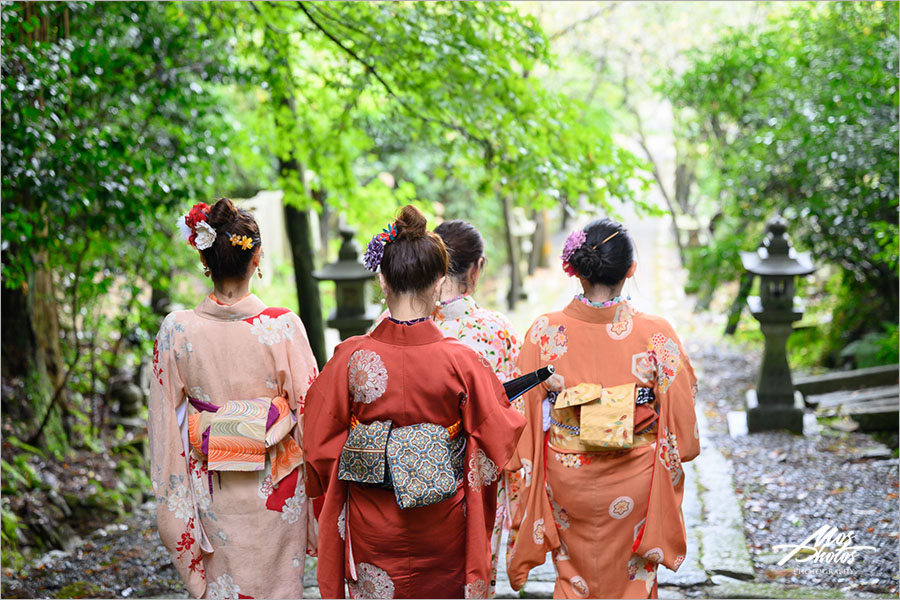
(518, 386)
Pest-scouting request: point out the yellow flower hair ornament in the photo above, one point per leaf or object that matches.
(243, 241)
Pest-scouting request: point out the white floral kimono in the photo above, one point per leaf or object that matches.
(230, 534)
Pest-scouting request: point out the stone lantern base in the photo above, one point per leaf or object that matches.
(768, 417)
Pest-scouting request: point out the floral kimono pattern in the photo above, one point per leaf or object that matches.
(235, 534)
(412, 374)
(638, 489)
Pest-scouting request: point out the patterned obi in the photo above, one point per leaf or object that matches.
(423, 463)
(589, 418)
(240, 434)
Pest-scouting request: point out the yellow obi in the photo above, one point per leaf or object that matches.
(589, 418)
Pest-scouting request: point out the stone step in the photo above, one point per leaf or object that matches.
(846, 398)
(847, 380)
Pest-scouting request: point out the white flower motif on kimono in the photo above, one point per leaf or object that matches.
(270, 331)
(371, 582)
(476, 589)
(560, 515)
(664, 352)
(528, 467)
(206, 235)
(641, 367)
(223, 588)
(368, 376)
(181, 503)
(621, 507)
(537, 329)
(342, 522)
(579, 586)
(643, 569)
(482, 470)
(265, 485)
(200, 483)
(537, 532)
(654, 555)
(293, 506)
(561, 553)
(197, 392)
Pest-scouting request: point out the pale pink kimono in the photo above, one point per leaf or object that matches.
(222, 538)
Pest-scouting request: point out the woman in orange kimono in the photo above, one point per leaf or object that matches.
(226, 398)
(407, 372)
(606, 434)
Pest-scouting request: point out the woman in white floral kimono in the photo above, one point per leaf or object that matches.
(227, 397)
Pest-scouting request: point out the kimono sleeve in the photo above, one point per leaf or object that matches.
(529, 549)
(178, 522)
(493, 428)
(326, 423)
(680, 390)
(302, 372)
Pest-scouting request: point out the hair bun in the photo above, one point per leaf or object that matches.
(222, 214)
(411, 223)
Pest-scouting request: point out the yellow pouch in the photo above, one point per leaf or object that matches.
(609, 423)
(579, 394)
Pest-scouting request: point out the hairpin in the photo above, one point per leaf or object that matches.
(243, 241)
(609, 238)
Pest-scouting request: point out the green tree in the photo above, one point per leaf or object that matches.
(799, 116)
(111, 118)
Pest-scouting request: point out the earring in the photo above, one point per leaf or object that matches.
(206, 271)
(382, 300)
(259, 272)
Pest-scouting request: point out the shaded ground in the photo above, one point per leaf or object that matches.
(790, 486)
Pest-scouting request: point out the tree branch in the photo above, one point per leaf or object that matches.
(572, 26)
(371, 70)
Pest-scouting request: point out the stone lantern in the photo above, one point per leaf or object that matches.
(772, 405)
(353, 315)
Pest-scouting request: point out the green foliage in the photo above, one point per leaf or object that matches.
(799, 117)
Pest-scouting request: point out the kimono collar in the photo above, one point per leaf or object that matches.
(417, 334)
(245, 308)
(458, 308)
(617, 313)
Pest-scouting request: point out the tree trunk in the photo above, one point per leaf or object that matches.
(300, 235)
(538, 257)
(512, 255)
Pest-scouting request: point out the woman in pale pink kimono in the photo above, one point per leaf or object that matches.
(227, 397)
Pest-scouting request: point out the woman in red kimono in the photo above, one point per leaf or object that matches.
(606, 434)
(408, 372)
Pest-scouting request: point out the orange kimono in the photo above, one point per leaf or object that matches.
(409, 374)
(602, 492)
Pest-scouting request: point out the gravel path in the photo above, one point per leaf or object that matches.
(790, 486)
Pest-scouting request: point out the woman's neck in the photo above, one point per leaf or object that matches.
(408, 307)
(599, 294)
(452, 289)
(230, 291)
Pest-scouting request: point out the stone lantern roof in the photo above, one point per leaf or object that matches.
(775, 257)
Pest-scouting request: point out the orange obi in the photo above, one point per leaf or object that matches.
(452, 431)
(240, 434)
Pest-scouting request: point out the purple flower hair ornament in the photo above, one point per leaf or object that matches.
(375, 248)
(573, 243)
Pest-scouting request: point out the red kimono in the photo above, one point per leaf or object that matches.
(409, 374)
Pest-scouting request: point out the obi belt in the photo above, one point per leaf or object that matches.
(238, 436)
